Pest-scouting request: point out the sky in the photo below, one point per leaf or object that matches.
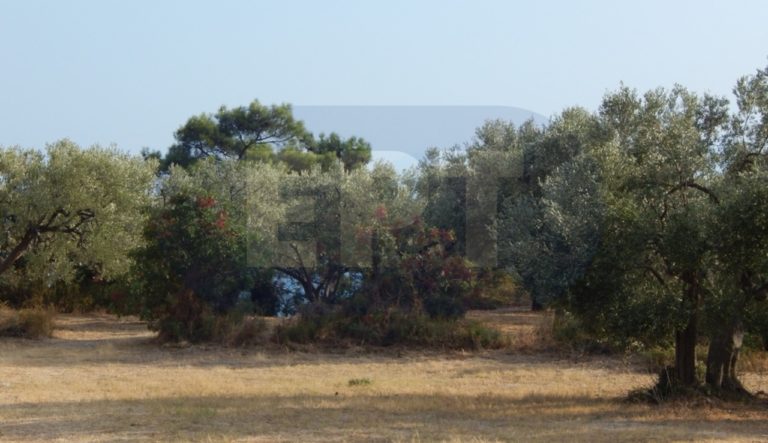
(131, 72)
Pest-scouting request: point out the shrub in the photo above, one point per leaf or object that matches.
(37, 323)
(250, 331)
(332, 325)
(413, 293)
(314, 322)
(416, 269)
(493, 289)
(27, 323)
(569, 332)
(264, 293)
(85, 292)
(199, 324)
(191, 270)
(482, 336)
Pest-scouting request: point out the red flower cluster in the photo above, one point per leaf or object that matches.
(221, 220)
(205, 202)
(381, 212)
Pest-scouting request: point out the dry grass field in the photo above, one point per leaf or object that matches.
(102, 379)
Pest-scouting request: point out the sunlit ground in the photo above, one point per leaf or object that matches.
(101, 379)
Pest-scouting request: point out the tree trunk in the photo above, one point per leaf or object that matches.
(685, 353)
(725, 344)
(685, 339)
(376, 255)
(724, 349)
(310, 291)
(18, 250)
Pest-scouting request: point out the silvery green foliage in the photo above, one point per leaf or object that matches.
(744, 211)
(658, 186)
(746, 142)
(739, 225)
(69, 206)
(572, 214)
(550, 241)
(550, 216)
(463, 186)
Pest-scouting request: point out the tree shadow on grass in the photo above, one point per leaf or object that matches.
(144, 349)
(368, 416)
(105, 339)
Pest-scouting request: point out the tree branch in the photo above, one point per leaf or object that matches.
(694, 185)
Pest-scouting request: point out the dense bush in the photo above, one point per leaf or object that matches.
(191, 270)
(414, 293)
(334, 325)
(417, 270)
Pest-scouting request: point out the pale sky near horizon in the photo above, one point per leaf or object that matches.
(131, 72)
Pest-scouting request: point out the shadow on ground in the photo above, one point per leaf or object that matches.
(366, 418)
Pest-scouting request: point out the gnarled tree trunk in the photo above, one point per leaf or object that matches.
(725, 343)
(685, 352)
(724, 348)
(685, 339)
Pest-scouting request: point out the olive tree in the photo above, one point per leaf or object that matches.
(615, 225)
(68, 207)
(740, 230)
(547, 215)
(659, 198)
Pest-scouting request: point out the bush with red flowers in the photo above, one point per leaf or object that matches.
(191, 269)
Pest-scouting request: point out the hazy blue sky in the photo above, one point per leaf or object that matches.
(132, 71)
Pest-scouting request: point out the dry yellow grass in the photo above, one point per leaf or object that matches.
(101, 379)
(527, 330)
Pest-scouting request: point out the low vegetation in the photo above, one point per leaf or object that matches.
(27, 323)
(393, 328)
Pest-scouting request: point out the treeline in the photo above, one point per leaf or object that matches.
(642, 224)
